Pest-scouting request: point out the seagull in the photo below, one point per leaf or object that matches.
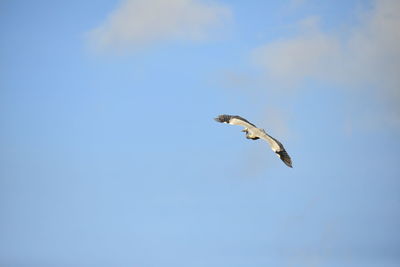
(254, 133)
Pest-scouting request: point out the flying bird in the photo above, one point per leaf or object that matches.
(254, 133)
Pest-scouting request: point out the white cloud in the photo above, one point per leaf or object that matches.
(138, 23)
(368, 59)
(298, 58)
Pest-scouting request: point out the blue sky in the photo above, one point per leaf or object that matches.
(110, 156)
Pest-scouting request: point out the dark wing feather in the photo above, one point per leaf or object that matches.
(227, 118)
(284, 156)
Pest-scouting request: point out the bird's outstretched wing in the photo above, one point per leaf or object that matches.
(277, 147)
(234, 120)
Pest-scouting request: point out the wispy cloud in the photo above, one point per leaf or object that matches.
(138, 23)
(367, 59)
(291, 61)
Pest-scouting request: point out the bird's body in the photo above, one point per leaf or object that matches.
(254, 133)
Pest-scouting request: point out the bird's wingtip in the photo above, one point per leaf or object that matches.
(222, 118)
(284, 156)
(287, 162)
